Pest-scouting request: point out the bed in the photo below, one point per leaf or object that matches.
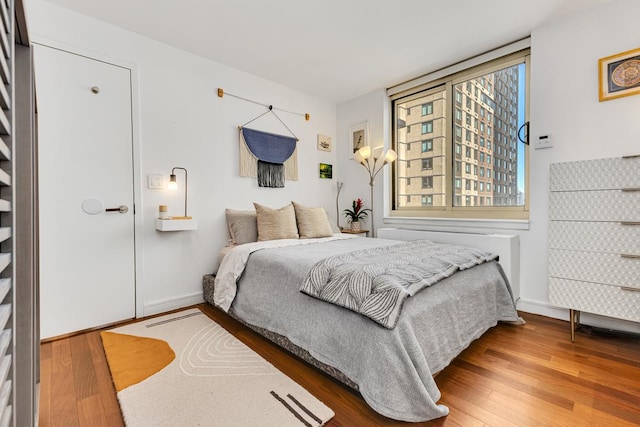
(392, 368)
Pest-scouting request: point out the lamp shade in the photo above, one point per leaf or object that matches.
(365, 152)
(391, 156)
(173, 185)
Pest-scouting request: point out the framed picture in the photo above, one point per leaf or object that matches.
(326, 171)
(324, 143)
(619, 75)
(358, 137)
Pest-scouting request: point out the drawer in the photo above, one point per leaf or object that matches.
(610, 205)
(596, 298)
(601, 174)
(611, 237)
(607, 268)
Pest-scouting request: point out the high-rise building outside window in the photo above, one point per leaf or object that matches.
(474, 117)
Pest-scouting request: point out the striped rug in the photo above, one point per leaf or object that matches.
(184, 369)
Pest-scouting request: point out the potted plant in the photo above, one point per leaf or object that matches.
(356, 214)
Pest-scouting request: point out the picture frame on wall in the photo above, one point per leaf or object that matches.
(619, 75)
(358, 137)
(324, 143)
(326, 171)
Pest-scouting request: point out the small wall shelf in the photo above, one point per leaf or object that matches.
(176, 224)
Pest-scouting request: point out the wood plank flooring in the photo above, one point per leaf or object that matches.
(528, 375)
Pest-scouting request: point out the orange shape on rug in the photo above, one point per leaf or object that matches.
(133, 359)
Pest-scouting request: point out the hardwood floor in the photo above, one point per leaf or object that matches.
(528, 375)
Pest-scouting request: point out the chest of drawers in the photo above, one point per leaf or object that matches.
(594, 238)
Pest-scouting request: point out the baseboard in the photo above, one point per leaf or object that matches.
(161, 306)
(545, 309)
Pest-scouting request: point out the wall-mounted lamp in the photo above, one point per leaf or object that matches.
(373, 161)
(173, 185)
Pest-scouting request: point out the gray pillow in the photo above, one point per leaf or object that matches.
(274, 224)
(312, 222)
(243, 226)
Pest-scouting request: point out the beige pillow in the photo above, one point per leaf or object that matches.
(243, 226)
(274, 224)
(312, 222)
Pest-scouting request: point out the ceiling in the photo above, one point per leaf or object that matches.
(333, 49)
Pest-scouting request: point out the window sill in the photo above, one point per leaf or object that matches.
(459, 225)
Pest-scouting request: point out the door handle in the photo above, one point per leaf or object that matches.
(123, 209)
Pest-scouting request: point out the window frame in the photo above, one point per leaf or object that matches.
(449, 210)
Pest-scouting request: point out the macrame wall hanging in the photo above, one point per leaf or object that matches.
(269, 157)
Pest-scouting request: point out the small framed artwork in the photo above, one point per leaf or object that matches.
(326, 171)
(619, 75)
(358, 137)
(324, 143)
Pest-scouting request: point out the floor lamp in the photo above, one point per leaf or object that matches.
(373, 161)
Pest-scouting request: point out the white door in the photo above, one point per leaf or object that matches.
(87, 264)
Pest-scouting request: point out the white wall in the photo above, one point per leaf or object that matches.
(564, 104)
(371, 108)
(183, 123)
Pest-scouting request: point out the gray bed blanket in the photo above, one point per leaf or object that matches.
(392, 367)
(375, 282)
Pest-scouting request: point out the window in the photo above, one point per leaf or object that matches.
(474, 116)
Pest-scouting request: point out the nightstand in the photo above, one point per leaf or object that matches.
(361, 233)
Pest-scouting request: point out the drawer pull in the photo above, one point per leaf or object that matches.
(629, 256)
(631, 156)
(627, 288)
(629, 222)
(630, 189)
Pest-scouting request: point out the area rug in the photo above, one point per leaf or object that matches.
(184, 369)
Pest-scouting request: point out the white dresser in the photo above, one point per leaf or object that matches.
(594, 238)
